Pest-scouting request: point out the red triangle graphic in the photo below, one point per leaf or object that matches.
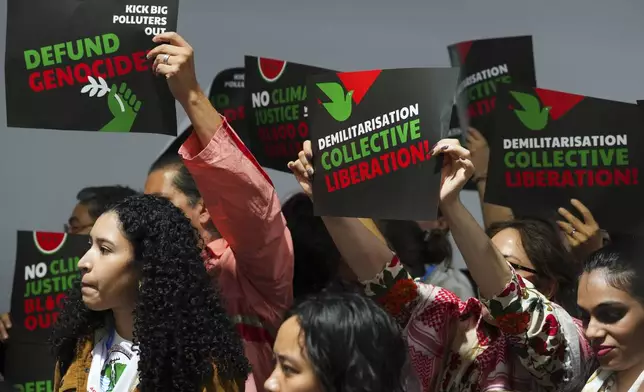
(463, 49)
(560, 102)
(360, 82)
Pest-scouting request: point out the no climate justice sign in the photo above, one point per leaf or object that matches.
(277, 123)
(550, 146)
(372, 133)
(81, 65)
(46, 269)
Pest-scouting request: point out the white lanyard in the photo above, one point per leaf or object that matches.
(100, 354)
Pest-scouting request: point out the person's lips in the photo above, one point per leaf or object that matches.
(602, 351)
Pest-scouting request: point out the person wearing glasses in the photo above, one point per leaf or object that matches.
(534, 248)
(92, 202)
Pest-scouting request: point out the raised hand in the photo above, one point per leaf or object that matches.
(174, 59)
(584, 237)
(5, 325)
(302, 168)
(457, 169)
(124, 106)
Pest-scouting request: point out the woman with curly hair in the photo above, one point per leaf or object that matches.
(339, 341)
(144, 315)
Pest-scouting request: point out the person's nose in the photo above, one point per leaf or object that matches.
(272, 384)
(85, 264)
(595, 330)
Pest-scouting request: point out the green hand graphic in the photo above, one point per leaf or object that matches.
(124, 107)
(340, 106)
(533, 116)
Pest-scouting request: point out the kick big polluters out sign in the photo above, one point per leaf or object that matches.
(81, 65)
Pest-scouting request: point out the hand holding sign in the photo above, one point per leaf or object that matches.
(174, 59)
(584, 237)
(5, 324)
(302, 168)
(457, 169)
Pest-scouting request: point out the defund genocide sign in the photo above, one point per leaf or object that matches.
(486, 65)
(276, 94)
(46, 269)
(550, 146)
(227, 95)
(81, 65)
(372, 133)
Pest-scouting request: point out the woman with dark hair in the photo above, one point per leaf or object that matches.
(511, 339)
(334, 342)
(611, 294)
(214, 179)
(534, 248)
(144, 315)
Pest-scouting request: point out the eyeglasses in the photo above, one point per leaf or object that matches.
(522, 268)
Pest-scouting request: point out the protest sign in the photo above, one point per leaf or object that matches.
(372, 133)
(276, 114)
(46, 269)
(227, 95)
(81, 65)
(30, 366)
(550, 146)
(485, 65)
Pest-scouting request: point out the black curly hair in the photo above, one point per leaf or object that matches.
(180, 327)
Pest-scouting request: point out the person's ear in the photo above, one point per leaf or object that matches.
(204, 215)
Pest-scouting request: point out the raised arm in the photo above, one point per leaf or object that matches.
(238, 194)
(519, 309)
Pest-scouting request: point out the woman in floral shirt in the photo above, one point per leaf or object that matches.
(515, 341)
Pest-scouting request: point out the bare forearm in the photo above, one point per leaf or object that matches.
(488, 267)
(364, 252)
(205, 119)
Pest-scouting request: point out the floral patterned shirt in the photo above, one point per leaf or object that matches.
(513, 342)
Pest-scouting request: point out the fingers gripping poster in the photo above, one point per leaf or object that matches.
(277, 114)
(46, 269)
(549, 147)
(372, 134)
(81, 65)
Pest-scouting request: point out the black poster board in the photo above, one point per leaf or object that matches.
(46, 268)
(550, 146)
(372, 132)
(81, 65)
(276, 111)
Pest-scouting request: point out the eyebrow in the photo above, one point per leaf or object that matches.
(104, 240)
(283, 357)
(606, 304)
(72, 220)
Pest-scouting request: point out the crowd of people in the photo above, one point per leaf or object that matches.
(292, 302)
